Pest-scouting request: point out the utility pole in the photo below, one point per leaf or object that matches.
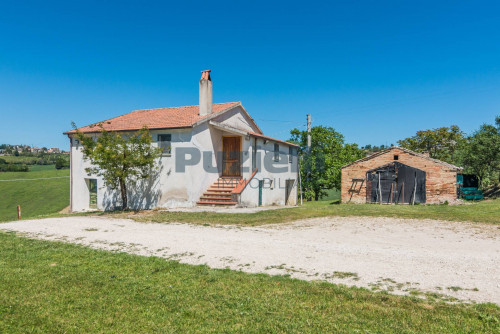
(308, 132)
(308, 171)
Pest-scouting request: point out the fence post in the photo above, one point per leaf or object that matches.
(18, 212)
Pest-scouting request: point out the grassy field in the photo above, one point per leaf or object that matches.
(53, 287)
(36, 197)
(480, 212)
(332, 195)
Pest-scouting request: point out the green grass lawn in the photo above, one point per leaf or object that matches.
(52, 287)
(331, 195)
(481, 212)
(36, 197)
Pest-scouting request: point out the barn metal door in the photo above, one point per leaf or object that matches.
(395, 183)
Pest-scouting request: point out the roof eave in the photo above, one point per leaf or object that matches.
(129, 130)
(272, 139)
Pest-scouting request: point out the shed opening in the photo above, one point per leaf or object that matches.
(395, 183)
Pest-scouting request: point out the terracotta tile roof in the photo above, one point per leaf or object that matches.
(407, 151)
(258, 135)
(161, 118)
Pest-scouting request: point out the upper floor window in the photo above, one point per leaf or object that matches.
(276, 152)
(290, 154)
(165, 142)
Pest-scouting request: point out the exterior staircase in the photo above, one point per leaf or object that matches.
(220, 192)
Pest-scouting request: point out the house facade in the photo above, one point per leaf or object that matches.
(213, 154)
(398, 175)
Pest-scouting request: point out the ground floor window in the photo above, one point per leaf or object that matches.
(92, 184)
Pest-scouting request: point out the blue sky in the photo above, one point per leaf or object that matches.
(377, 71)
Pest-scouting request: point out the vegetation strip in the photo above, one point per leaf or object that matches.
(481, 212)
(56, 287)
(45, 178)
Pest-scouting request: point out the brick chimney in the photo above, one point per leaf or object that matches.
(205, 93)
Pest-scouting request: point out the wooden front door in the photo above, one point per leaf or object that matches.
(231, 156)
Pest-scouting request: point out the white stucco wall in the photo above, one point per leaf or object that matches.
(237, 118)
(172, 188)
(273, 191)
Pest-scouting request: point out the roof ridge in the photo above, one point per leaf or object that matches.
(189, 115)
(194, 105)
(376, 154)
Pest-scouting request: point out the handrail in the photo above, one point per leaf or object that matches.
(243, 183)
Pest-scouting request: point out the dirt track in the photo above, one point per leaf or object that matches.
(454, 259)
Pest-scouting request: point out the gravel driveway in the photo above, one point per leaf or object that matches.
(398, 255)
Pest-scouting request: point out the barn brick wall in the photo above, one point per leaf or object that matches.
(440, 185)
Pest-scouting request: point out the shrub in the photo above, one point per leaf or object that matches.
(13, 168)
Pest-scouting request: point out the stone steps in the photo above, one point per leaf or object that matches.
(220, 193)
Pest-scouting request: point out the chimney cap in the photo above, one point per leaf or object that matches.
(205, 75)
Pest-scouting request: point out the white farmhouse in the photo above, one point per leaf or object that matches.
(213, 154)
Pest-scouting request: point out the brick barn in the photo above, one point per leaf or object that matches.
(398, 175)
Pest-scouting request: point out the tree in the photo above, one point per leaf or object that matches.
(480, 153)
(321, 165)
(373, 149)
(61, 163)
(120, 159)
(440, 143)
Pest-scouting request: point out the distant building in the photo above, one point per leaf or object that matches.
(53, 150)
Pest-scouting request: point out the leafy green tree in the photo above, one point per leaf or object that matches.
(61, 163)
(321, 166)
(373, 149)
(480, 153)
(120, 159)
(440, 143)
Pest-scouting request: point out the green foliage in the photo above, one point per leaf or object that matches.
(120, 159)
(53, 287)
(480, 153)
(62, 163)
(13, 168)
(36, 158)
(373, 149)
(321, 166)
(440, 143)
